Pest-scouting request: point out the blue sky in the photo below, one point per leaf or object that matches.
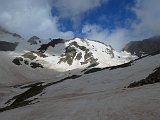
(109, 15)
(114, 22)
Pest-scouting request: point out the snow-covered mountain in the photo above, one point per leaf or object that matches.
(62, 55)
(126, 92)
(75, 79)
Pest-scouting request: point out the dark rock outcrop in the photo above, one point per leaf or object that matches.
(31, 95)
(36, 65)
(17, 61)
(52, 43)
(16, 35)
(151, 79)
(146, 46)
(20, 61)
(34, 40)
(71, 54)
(7, 46)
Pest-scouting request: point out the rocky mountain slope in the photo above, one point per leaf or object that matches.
(76, 79)
(143, 47)
(128, 91)
(59, 54)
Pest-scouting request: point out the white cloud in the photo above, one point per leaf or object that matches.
(30, 17)
(73, 9)
(95, 32)
(146, 25)
(147, 12)
(117, 38)
(33, 17)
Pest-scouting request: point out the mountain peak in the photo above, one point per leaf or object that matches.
(76, 53)
(34, 40)
(62, 55)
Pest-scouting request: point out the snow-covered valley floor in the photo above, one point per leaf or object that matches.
(100, 95)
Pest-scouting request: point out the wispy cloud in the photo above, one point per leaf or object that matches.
(117, 38)
(34, 17)
(147, 12)
(74, 9)
(145, 25)
(31, 17)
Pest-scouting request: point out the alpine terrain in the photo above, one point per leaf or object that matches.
(78, 79)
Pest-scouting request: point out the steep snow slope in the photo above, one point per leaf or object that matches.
(45, 59)
(64, 55)
(10, 74)
(90, 87)
(96, 96)
(60, 55)
(38, 59)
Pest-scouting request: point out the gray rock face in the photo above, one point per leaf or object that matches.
(71, 54)
(52, 43)
(34, 40)
(151, 79)
(7, 46)
(16, 35)
(146, 46)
